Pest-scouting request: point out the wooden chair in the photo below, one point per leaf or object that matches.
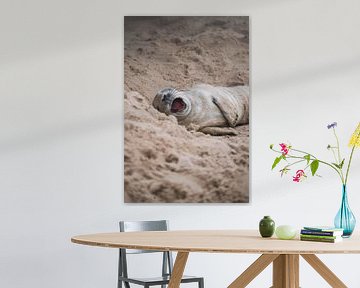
(167, 262)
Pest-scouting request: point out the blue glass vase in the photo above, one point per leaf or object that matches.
(345, 219)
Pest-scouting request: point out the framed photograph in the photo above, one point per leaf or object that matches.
(186, 103)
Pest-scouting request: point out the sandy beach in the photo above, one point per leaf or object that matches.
(165, 162)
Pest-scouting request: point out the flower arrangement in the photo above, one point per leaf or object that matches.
(293, 156)
(344, 219)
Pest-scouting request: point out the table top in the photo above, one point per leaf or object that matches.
(217, 241)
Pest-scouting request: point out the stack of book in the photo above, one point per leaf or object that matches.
(321, 234)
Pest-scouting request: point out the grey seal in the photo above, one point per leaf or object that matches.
(210, 109)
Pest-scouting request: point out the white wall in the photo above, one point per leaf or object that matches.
(61, 132)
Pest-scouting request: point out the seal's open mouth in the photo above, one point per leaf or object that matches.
(177, 105)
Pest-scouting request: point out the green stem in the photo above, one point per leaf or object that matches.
(348, 167)
(323, 162)
(296, 162)
(313, 158)
(333, 152)
(351, 155)
(304, 152)
(339, 156)
(338, 146)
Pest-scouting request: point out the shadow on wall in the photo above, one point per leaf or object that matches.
(309, 75)
(68, 24)
(54, 134)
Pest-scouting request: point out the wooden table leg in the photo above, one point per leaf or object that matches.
(324, 271)
(178, 269)
(286, 271)
(253, 270)
(293, 264)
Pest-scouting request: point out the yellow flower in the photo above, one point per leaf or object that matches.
(355, 137)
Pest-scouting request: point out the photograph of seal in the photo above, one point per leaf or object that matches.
(205, 108)
(188, 143)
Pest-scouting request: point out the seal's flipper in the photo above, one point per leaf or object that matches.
(229, 113)
(228, 110)
(219, 131)
(233, 103)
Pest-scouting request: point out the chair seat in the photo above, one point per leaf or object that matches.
(158, 280)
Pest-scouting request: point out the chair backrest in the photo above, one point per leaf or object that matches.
(134, 226)
(137, 226)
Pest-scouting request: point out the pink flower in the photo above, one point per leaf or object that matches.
(284, 148)
(300, 174)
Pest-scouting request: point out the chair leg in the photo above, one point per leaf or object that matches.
(201, 283)
(120, 270)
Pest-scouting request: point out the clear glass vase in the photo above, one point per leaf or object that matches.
(345, 219)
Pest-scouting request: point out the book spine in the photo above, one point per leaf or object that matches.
(319, 236)
(318, 239)
(320, 233)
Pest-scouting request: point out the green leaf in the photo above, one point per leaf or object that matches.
(339, 166)
(336, 165)
(276, 161)
(314, 166)
(271, 146)
(307, 157)
(342, 163)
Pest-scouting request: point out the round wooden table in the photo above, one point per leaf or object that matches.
(284, 254)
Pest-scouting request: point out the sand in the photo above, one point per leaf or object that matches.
(164, 162)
